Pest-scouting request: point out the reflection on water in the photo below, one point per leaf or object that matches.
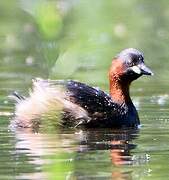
(77, 154)
(43, 150)
(119, 142)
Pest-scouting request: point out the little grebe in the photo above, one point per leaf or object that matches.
(82, 105)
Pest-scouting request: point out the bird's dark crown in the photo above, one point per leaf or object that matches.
(131, 56)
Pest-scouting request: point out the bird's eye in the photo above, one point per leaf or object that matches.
(140, 58)
(131, 63)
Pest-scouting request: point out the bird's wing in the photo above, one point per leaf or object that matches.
(91, 99)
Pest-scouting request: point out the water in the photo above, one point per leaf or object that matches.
(83, 37)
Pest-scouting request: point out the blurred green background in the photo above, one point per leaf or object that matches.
(70, 39)
(77, 39)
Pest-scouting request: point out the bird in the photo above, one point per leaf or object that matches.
(80, 105)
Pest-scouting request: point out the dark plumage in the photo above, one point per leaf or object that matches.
(102, 110)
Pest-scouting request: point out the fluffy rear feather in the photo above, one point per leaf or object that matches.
(44, 98)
